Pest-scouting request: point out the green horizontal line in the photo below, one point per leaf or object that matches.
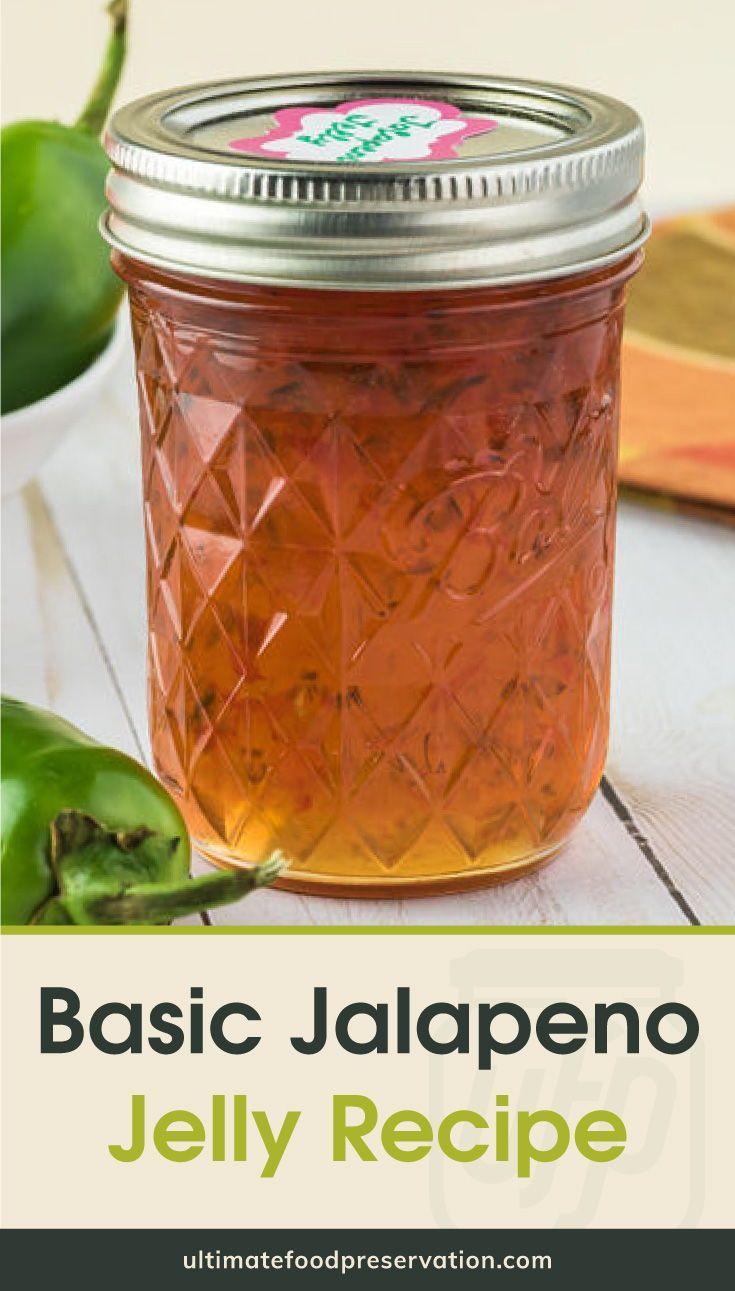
(379, 930)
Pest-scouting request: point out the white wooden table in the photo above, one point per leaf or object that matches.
(657, 846)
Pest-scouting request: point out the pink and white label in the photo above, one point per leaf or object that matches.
(367, 130)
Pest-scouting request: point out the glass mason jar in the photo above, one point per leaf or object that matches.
(377, 330)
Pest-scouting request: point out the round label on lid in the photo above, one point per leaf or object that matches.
(367, 130)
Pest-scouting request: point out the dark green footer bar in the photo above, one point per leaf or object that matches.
(593, 1259)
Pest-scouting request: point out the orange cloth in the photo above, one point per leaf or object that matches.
(678, 409)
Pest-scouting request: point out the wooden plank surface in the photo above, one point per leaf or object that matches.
(657, 849)
(51, 651)
(672, 749)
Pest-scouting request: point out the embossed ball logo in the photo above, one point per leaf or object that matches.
(367, 130)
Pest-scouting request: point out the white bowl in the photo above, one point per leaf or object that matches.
(29, 435)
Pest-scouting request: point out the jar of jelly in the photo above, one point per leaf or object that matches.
(377, 325)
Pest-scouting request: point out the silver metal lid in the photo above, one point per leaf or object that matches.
(376, 180)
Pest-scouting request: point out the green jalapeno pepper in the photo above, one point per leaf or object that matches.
(89, 836)
(59, 294)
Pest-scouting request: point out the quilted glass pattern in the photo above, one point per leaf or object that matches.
(380, 540)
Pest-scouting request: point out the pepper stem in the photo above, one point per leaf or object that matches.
(133, 876)
(94, 113)
(161, 902)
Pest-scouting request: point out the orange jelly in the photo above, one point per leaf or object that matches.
(380, 532)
